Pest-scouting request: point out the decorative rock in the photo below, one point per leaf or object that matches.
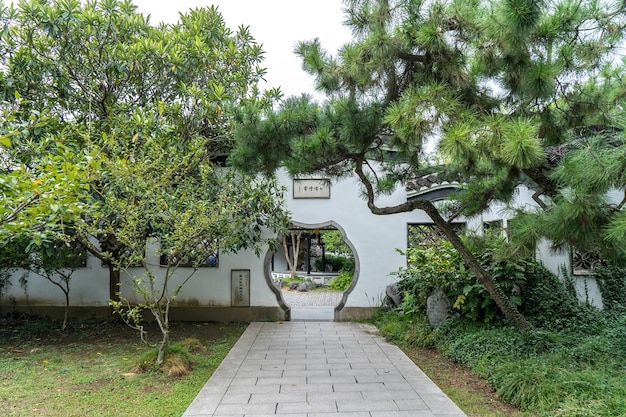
(294, 285)
(303, 287)
(437, 308)
(394, 294)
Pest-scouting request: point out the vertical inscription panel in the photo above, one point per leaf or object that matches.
(240, 281)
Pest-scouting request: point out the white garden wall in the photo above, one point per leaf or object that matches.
(209, 293)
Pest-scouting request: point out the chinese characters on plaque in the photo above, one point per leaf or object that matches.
(240, 280)
(311, 188)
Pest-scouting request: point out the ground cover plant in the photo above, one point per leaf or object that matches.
(99, 369)
(569, 363)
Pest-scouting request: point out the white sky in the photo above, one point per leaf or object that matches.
(277, 25)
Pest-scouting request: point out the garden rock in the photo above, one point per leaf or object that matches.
(305, 286)
(437, 308)
(394, 294)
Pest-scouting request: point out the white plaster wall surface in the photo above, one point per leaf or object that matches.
(89, 286)
(558, 261)
(211, 286)
(374, 238)
(588, 291)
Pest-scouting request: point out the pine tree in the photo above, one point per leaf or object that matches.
(473, 88)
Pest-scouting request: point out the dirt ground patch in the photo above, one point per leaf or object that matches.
(473, 394)
(36, 329)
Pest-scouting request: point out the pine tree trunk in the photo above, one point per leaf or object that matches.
(504, 303)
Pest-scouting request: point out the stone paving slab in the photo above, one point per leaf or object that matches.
(318, 369)
(317, 298)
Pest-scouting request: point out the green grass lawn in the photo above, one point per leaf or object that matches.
(89, 371)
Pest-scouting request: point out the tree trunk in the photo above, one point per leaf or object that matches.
(67, 308)
(162, 348)
(287, 256)
(504, 303)
(114, 283)
(295, 249)
(114, 287)
(162, 317)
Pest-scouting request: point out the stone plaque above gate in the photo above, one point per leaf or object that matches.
(240, 280)
(311, 188)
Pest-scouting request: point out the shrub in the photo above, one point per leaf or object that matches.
(287, 281)
(441, 266)
(551, 303)
(341, 282)
(612, 283)
(430, 268)
(177, 362)
(336, 262)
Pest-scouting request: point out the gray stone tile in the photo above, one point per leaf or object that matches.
(243, 380)
(357, 373)
(253, 389)
(440, 404)
(283, 367)
(242, 409)
(278, 398)
(307, 407)
(346, 414)
(393, 395)
(240, 398)
(273, 415)
(335, 396)
(385, 379)
(308, 373)
(424, 385)
(412, 413)
(275, 373)
(366, 405)
(398, 386)
(359, 387)
(330, 367)
(318, 369)
(411, 404)
(306, 388)
(297, 380)
(330, 380)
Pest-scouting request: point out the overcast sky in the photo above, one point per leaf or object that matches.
(277, 25)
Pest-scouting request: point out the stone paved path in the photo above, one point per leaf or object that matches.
(318, 369)
(312, 298)
(312, 305)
